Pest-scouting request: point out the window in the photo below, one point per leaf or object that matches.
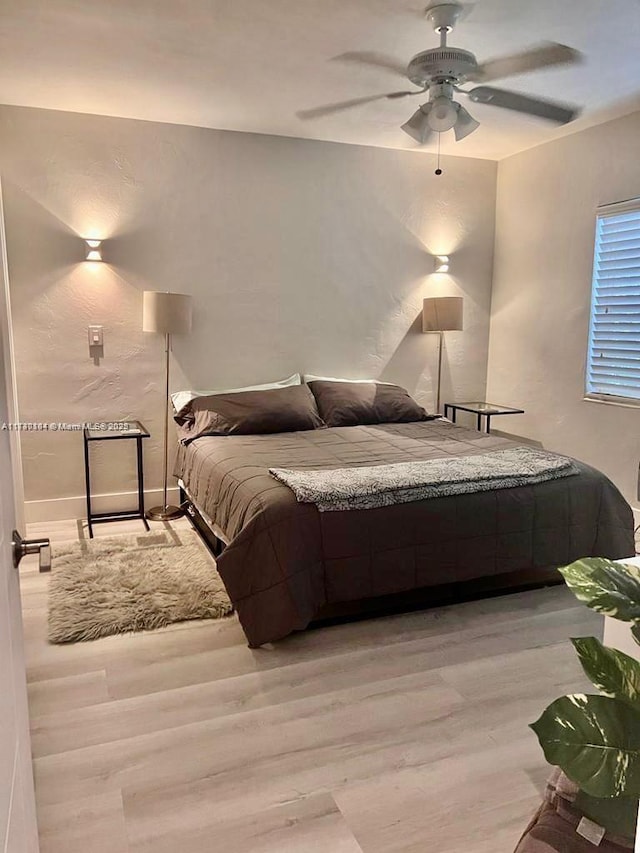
(613, 359)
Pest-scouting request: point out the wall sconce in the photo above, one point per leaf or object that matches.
(94, 250)
(441, 263)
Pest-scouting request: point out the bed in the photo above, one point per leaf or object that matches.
(285, 563)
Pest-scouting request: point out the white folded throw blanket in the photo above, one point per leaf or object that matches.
(402, 482)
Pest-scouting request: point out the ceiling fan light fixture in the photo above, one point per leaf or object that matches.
(465, 125)
(418, 125)
(443, 114)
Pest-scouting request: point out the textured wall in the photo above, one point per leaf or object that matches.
(299, 255)
(547, 200)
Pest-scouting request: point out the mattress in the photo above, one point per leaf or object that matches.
(286, 560)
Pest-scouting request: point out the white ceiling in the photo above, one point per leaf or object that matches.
(250, 65)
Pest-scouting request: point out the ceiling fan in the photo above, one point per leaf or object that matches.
(441, 71)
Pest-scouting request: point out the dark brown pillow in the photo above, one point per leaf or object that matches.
(353, 403)
(249, 413)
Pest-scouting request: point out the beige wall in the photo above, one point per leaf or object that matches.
(545, 221)
(300, 256)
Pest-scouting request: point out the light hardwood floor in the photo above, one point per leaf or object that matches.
(407, 733)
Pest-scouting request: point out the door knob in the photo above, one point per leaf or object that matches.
(21, 547)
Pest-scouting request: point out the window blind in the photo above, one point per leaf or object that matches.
(613, 362)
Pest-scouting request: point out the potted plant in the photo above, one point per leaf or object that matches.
(595, 739)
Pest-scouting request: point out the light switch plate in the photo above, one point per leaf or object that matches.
(95, 337)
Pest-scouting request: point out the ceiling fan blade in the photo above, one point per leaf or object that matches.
(550, 110)
(329, 109)
(377, 60)
(542, 56)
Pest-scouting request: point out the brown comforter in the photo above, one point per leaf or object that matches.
(285, 560)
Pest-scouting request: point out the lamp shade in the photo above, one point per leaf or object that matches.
(465, 124)
(442, 314)
(166, 313)
(418, 125)
(443, 115)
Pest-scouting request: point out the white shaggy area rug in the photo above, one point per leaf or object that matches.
(119, 584)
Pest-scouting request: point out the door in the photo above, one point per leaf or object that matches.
(18, 828)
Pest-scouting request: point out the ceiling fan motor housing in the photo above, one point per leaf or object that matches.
(441, 64)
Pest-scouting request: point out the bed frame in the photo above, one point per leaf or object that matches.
(215, 545)
(423, 598)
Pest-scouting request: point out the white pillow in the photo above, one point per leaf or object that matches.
(309, 377)
(181, 398)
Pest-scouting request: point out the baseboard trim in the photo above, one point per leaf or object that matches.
(62, 509)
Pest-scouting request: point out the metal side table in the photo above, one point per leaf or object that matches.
(481, 410)
(135, 431)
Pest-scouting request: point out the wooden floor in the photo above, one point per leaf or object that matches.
(407, 733)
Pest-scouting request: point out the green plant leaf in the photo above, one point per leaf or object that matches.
(610, 670)
(596, 741)
(606, 586)
(635, 631)
(617, 815)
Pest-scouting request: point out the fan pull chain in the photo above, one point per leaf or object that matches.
(439, 170)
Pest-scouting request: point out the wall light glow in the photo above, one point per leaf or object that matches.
(94, 250)
(441, 263)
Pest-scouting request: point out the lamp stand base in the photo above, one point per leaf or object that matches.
(164, 513)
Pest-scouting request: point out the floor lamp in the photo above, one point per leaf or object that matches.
(441, 314)
(166, 314)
